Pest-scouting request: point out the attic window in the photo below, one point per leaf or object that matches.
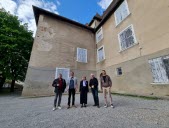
(99, 35)
(122, 12)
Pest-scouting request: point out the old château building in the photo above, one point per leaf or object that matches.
(130, 41)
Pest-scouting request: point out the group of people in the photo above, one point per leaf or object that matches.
(60, 85)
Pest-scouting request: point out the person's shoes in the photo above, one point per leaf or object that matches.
(98, 106)
(105, 105)
(74, 106)
(94, 105)
(112, 106)
(84, 105)
(59, 107)
(54, 108)
(68, 107)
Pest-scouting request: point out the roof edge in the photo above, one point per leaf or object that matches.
(109, 11)
(37, 11)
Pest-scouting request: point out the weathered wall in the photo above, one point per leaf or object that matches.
(54, 46)
(151, 22)
(137, 77)
(56, 42)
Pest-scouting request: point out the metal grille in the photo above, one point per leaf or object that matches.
(127, 38)
(160, 69)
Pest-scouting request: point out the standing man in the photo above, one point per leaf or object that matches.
(106, 85)
(72, 87)
(60, 85)
(94, 88)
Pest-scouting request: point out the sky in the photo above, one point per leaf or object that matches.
(81, 11)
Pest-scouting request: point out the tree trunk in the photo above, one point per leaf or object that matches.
(12, 86)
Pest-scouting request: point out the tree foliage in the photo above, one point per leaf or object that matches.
(15, 46)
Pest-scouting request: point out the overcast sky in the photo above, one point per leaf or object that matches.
(79, 10)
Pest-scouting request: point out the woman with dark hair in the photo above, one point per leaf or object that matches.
(83, 92)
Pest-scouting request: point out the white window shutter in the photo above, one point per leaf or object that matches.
(82, 55)
(64, 72)
(122, 12)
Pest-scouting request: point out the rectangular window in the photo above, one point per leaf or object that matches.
(127, 38)
(122, 12)
(64, 72)
(82, 55)
(119, 71)
(100, 54)
(160, 69)
(99, 35)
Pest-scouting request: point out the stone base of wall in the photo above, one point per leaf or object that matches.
(39, 81)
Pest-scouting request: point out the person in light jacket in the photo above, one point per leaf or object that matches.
(83, 92)
(106, 85)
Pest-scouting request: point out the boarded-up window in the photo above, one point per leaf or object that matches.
(82, 55)
(64, 72)
(100, 54)
(121, 13)
(160, 69)
(127, 38)
(99, 35)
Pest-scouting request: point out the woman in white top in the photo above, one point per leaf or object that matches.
(83, 91)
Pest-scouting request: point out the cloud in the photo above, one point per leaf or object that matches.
(104, 3)
(8, 5)
(23, 9)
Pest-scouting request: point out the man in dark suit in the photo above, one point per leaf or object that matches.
(94, 88)
(60, 85)
(83, 91)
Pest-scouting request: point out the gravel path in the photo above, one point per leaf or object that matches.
(129, 112)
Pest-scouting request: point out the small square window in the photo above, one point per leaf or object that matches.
(119, 71)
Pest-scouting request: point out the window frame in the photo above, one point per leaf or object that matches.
(78, 54)
(100, 29)
(98, 54)
(134, 36)
(125, 1)
(117, 71)
(163, 66)
(56, 72)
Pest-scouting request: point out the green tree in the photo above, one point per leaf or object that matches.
(15, 47)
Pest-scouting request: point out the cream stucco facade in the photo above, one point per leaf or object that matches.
(57, 40)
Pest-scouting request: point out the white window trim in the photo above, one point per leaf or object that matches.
(61, 68)
(125, 17)
(78, 54)
(101, 28)
(159, 83)
(103, 54)
(135, 40)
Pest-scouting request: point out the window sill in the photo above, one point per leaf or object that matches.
(123, 20)
(159, 83)
(128, 47)
(101, 61)
(99, 41)
(81, 62)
